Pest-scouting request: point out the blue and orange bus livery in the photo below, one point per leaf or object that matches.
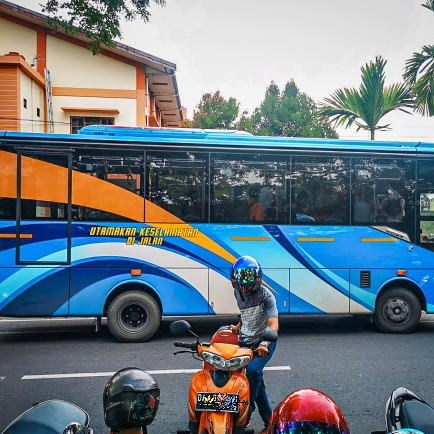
(138, 224)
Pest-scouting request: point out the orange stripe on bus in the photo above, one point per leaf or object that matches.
(8, 184)
(378, 240)
(250, 238)
(93, 192)
(15, 235)
(321, 240)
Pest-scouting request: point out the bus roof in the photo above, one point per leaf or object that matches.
(215, 139)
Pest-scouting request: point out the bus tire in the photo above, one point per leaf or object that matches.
(133, 316)
(397, 310)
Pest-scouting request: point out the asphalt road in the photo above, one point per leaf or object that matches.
(344, 357)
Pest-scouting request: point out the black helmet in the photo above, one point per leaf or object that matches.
(130, 399)
(246, 274)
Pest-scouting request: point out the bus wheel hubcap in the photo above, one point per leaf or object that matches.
(397, 310)
(133, 317)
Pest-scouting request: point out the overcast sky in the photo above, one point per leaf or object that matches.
(240, 46)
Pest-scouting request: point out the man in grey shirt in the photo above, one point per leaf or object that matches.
(258, 311)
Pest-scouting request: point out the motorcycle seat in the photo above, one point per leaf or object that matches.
(416, 415)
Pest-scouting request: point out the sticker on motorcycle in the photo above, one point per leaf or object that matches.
(227, 402)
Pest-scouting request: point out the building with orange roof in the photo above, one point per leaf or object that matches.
(51, 82)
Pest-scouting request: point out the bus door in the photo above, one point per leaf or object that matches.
(44, 231)
(425, 218)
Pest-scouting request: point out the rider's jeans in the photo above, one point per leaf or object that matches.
(258, 394)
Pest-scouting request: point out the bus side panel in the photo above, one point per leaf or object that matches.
(30, 290)
(34, 291)
(178, 289)
(312, 293)
(7, 243)
(101, 263)
(424, 279)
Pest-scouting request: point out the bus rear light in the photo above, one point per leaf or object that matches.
(136, 272)
(402, 272)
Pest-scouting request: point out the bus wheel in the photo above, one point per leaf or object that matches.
(397, 310)
(133, 316)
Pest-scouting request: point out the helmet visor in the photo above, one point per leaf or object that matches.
(245, 279)
(308, 428)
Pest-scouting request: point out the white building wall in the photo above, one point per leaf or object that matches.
(125, 117)
(14, 37)
(73, 66)
(32, 92)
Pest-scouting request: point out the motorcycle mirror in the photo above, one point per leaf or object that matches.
(75, 428)
(269, 335)
(180, 327)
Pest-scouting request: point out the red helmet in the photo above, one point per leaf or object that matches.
(307, 411)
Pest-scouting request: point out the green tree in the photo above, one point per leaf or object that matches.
(214, 111)
(290, 113)
(429, 4)
(373, 100)
(419, 74)
(98, 20)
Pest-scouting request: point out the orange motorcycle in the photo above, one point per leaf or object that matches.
(218, 398)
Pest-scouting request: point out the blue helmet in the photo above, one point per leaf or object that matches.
(246, 275)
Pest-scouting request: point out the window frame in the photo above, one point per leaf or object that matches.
(73, 129)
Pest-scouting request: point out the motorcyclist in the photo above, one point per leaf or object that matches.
(307, 411)
(130, 400)
(258, 311)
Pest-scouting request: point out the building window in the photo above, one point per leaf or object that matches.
(38, 112)
(24, 103)
(78, 122)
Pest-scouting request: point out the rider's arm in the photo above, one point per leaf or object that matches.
(262, 351)
(273, 323)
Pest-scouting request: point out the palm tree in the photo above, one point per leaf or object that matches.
(419, 74)
(365, 106)
(429, 4)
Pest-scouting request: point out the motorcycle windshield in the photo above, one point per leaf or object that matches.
(307, 428)
(49, 417)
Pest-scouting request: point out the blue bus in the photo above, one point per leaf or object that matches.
(141, 224)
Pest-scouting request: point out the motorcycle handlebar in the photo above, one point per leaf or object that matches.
(183, 345)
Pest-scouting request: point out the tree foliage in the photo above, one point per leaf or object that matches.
(366, 106)
(98, 20)
(214, 111)
(419, 74)
(290, 113)
(429, 4)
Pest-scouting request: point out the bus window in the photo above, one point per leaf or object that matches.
(7, 208)
(125, 171)
(383, 191)
(248, 190)
(33, 182)
(320, 188)
(425, 173)
(177, 182)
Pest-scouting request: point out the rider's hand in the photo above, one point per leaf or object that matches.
(262, 351)
(235, 328)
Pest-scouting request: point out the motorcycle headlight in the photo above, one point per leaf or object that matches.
(237, 363)
(221, 363)
(214, 360)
